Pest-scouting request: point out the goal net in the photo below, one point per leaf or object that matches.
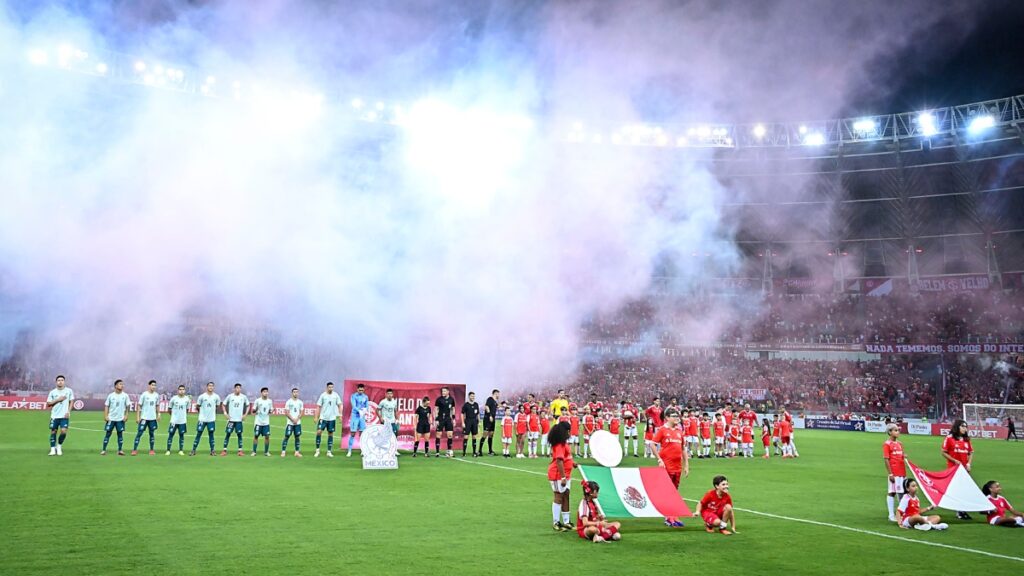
(979, 415)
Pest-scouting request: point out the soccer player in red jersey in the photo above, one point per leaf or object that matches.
(727, 413)
(522, 423)
(595, 406)
(747, 438)
(533, 433)
(653, 413)
(719, 427)
(590, 523)
(789, 420)
(615, 425)
(672, 457)
(692, 425)
(1002, 514)
(545, 427)
(734, 438)
(574, 431)
(784, 438)
(957, 449)
(892, 454)
(747, 415)
(908, 514)
(649, 439)
(715, 508)
(589, 427)
(766, 437)
(776, 441)
(630, 415)
(705, 435)
(559, 475)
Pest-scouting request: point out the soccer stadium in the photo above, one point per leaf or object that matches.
(453, 286)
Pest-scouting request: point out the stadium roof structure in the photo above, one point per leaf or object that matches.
(910, 194)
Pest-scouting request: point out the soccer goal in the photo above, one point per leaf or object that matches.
(979, 415)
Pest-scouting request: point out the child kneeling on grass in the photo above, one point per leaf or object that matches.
(590, 524)
(715, 508)
(908, 514)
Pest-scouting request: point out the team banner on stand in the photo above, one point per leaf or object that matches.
(830, 424)
(408, 395)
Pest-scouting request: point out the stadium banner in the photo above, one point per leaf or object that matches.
(279, 409)
(952, 489)
(919, 428)
(39, 403)
(953, 283)
(944, 348)
(636, 492)
(803, 285)
(752, 393)
(799, 422)
(831, 424)
(875, 426)
(989, 432)
(408, 395)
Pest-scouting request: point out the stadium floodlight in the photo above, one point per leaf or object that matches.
(380, 106)
(596, 139)
(140, 66)
(38, 57)
(158, 70)
(64, 54)
(211, 80)
(814, 139)
(662, 140)
(759, 131)
(371, 116)
(980, 124)
(149, 79)
(802, 129)
(865, 127)
(616, 139)
(926, 123)
(704, 131)
(681, 141)
(102, 68)
(357, 103)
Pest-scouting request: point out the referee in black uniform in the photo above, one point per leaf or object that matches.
(490, 411)
(470, 424)
(444, 408)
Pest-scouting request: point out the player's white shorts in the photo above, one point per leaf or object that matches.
(506, 440)
(732, 446)
(748, 446)
(719, 441)
(706, 441)
(906, 523)
(896, 486)
(629, 432)
(556, 486)
(574, 439)
(533, 435)
(995, 520)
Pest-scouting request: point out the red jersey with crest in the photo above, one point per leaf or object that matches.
(719, 429)
(654, 414)
(747, 434)
(589, 424)
(534, 422)
(705, 429)
(595, 408)
(671, 453)
(613, 425)
(960, 450)
(574, 425)
(712, 502)
(892, 451)
(561, 451)
(522, 419)
(507, 424)
(545, 425)
(783, 428)
(728, 417)
(629, 415)
(691, 425)
(910, 506)
(748, 416)
(766, 435)
(734, 433)
(1000, 506)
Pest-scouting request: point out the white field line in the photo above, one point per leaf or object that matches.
(805, 521)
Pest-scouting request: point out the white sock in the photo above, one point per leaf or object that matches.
(723, 525)
(1020, 520)
(625, 446)
(891, 505)
(565, 517)
(556, 511)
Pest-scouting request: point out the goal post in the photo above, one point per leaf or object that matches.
(978, 416)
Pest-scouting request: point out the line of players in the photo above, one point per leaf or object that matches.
(730, 432)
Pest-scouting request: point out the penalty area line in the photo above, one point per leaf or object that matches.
(805, 521)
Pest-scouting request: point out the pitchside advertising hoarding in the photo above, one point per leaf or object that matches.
(409, 395)
(831, 424)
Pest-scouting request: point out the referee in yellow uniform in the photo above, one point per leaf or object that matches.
(559, 404)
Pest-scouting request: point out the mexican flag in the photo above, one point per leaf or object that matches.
(636, 492)
(952, 489)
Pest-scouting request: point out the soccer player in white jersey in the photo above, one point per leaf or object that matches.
(262, 408)
(328, 410)
(179, 406)
(115, 412)
(59, 402)
(206, 404)
(147, 416)
(236, 405)
(293, 417)
(388, 410)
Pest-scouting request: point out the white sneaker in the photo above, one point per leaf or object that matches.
(181, 452)
(598, 539)
(253, 454)
(168, 453)
(520, 456)
(349, 455)
(330, 454)
(59, 451)
(940, 526)
(451, 454)
(892, 518)
(53, 452)
(923, 527)
(317, 453)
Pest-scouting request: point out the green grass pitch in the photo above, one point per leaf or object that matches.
(86, 514)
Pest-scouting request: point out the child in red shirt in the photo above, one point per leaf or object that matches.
(1002, 514)
(590, 524)
(672, 456)
(715, 508)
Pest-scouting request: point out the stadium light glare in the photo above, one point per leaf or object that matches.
(865, 126)
(211, 80)
(102, 68)
(662, 140)
(980, 124)
(759, 131)
(814, 139)
(596, 139)
(380, 106)
(803, 129)
(926, 123)
(38, 57)
(357, 103)
(64, 54)
(681, 141)
(371, 116)
(140, 66)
